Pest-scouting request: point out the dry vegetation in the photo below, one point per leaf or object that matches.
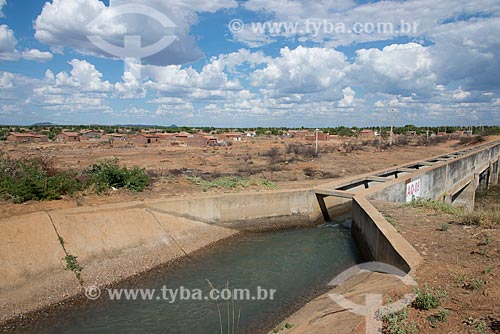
(458, 280)
(261, 163)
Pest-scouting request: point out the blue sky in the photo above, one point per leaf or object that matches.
(285, 63)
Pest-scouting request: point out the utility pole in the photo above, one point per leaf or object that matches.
(317, 130)
(392, 128)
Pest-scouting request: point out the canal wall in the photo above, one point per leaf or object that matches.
(453, 179)
(114, 242)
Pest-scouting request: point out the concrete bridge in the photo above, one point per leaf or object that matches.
(451, 178)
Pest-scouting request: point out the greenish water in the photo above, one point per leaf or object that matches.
(298, 263)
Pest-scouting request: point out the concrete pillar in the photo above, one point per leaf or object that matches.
(322, 205)
(466, 196)
(493, 173)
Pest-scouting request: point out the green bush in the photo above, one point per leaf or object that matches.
(107, 174)
(428, 298)
(35, 179)
(397, 323)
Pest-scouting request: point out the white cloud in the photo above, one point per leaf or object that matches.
(37, 55)
(65, 23)
(348, 99)
(2, 4)
(396, 69)
(7, 80)
(8, 44)
(468, 51)
(303, 70)
(425, 14)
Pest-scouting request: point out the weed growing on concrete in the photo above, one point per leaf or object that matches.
(281, 327)
(428, 298)
(397, 323)
(73, 265)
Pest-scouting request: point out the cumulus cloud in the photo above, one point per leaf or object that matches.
(37, 55)
(8, 44)
(468, 51)
(80, 90)
(303, 70)
(68, 23)
(379, 20)
(396, 69)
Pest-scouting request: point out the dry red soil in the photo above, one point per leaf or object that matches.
(462, 260)
(248, 158)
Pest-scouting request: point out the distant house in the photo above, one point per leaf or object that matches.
(26, 138)
(366, 133)
(112, 137)
(67, 136)
(230, 136)
(441, 134)
(91, 135)
(166, 137)
(311, 136)
(299, 134)
(145, 138)
(182, 137)
(201, 140)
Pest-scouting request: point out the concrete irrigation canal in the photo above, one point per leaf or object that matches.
(169, 244)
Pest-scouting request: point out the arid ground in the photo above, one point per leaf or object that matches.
(461, 260)
(287, 165)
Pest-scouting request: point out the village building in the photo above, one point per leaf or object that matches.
(112, 137)
(67, 136)
(311, 136)
(366, 133)
(299, 134)
(143, 139)
(201, 140)
(26, 138)
(90, 135)
(182, 137)
(230, 136)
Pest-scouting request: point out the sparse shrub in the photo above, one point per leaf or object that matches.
(428, 298)
(274, 154)
(107, 174)
(301, 150)
(444, 227)
(441, 316)
(397, 323)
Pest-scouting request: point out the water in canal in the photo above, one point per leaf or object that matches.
(297, 263)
